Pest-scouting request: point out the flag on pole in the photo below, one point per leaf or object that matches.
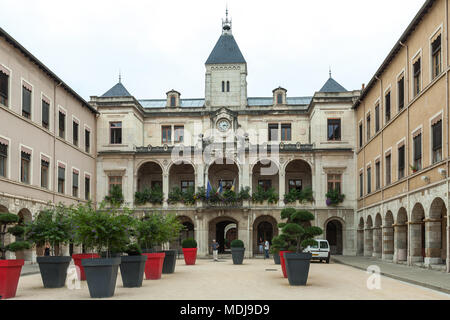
(232, 187)
(219, 191)
(208, 190)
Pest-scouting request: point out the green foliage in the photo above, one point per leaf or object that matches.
(237, 244)
(296, 234)
(8, 224)
(201, 194)
(8, 218)
(187, 197)
(18, 246)
(229, 197)
(305, 195)
(260, 195)
(244, 194)
(278, 244)
(115, 197)
(189, 243)
(17, 231)
(171, 228)
(154, 196)
(133, 249)
(175, 196)
(334, 197)
(150, 231)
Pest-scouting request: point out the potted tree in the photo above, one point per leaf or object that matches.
(237, 251)
(189, 251)
(52, 226)
(132, 266)
(280, 244)
(10, 269)
(298, 236)
(170, 231)
(275, 249)
(150, 233)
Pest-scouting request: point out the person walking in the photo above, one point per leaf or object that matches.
(215, 249)
(266, 249)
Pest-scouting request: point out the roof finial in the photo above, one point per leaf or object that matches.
(226, 24)
(120, 76)
(330, 72)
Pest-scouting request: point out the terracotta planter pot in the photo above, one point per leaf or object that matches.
(154, 265)
(190, 255)
(77, 260)
(283, 262)
(9, 277)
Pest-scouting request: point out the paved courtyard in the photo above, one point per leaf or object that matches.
(255, 280)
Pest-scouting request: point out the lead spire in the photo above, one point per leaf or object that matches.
(226, 24)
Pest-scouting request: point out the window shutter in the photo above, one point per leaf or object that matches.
(437, 136)
(75, 131)
(418, 147)
(26, 100)
(417, 68)
(45, 112)
(75, 180)
(436, 45)
(61, 173)
(4, 84)
(401, 157)
(88, 138)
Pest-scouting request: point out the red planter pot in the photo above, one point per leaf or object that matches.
(190, 255)
(283, 263)
(77, 260)
(154, 265)
(9, 277)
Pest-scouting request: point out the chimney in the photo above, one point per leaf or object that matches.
(363, 86)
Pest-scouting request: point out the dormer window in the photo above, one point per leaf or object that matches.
(173, 99)
(279, 96)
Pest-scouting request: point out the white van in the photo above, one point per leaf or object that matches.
(321, 251)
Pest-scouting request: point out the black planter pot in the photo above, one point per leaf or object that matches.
(276, 258)
(238, 255)
(110, 255)
(297, 268)
(170, 260)
(53, 270)
(132, 270)
(101, 276)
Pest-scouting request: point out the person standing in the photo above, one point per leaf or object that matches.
(215, 249)
(266, 249)
(47, 250)
(261, 244)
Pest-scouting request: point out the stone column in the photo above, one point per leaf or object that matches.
(282, 187)
(165, 189)
(416, 253)
(433, 241)
(368, 242)
(360, 243)
(201, 236)
(400, 242)
(377, 242)
(388, 243)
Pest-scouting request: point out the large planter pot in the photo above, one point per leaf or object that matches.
(282, 262)
(237, 254)
(101, 276)
(170, 260)
(154, 265)
(297, 267)
(132, 270)
(77, 258)
(53, 270)
(276, 258)
(190, 255)
(9, 277)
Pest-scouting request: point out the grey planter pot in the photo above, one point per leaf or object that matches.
(132, 270)
(276, 258)
(101, 276)
(170, 261)
(238, 255)
(297, 268)
(53, 270)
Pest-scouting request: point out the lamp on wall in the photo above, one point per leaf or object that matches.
(425, 179)
(442, 172)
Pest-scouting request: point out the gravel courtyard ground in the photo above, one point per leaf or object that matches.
(255, 280)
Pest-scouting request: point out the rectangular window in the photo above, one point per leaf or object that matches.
(87, 188)
(26, 102)
(273, 132)
(279, 98)
(388, 170)
(3, 159)
(416, 80)
(179, 134)
(75, 133)
(186, 185)
(401, 93)
(44, 174)
(75, 176)
(437, 141)
(334, 129)
(223, 86)
(286, 133)
(4, 88)
(378, 175)
(368, 127)
(361, 135)
(173, 101)
(166, 134)
(25, 167)
(45, 114)
(377, 118)
(62, 125)
(115, 181)
(295, 184)
(334, 182)
(87, 141)
(116, 132)
(401, 162)
(387, 102)
(417, 142)
(436, 56)
(61, 179)
(369, 180)
(228, 86)
(361, 185)
(265, 184)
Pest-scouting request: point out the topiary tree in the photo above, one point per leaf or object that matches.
(296, 234)
(189, 243)
(9, 224)
(237, 244)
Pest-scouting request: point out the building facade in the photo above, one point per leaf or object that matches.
(403, 153)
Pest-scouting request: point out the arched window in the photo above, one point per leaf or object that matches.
(228, 86)
(173, 101)
(279, 98)
(223, 86)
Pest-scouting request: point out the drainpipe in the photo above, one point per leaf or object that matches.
(55, 122)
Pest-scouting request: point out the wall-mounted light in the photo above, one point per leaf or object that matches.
(442, 172)
(425, 179)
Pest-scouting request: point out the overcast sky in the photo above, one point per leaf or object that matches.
(162, 45)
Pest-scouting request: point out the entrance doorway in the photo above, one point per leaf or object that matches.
(334, 237)
(224, 230)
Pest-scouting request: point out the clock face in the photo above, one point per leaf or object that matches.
(223, 125)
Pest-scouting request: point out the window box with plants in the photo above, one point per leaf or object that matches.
(237, 251)
(189, 251)
(297, 236)
(153, 197)
(171, 231)
(334, 197)
(53, 227)
(265, 197)
(10, 269)
(115, 197)
(181, 199)
(299, 197)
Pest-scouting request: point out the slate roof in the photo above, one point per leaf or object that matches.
(226, 51)
(117, 91)
(332, 86)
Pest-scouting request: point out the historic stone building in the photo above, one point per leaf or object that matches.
(403, 152)
(231, 140)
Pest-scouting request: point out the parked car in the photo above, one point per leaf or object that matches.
(321, 251)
